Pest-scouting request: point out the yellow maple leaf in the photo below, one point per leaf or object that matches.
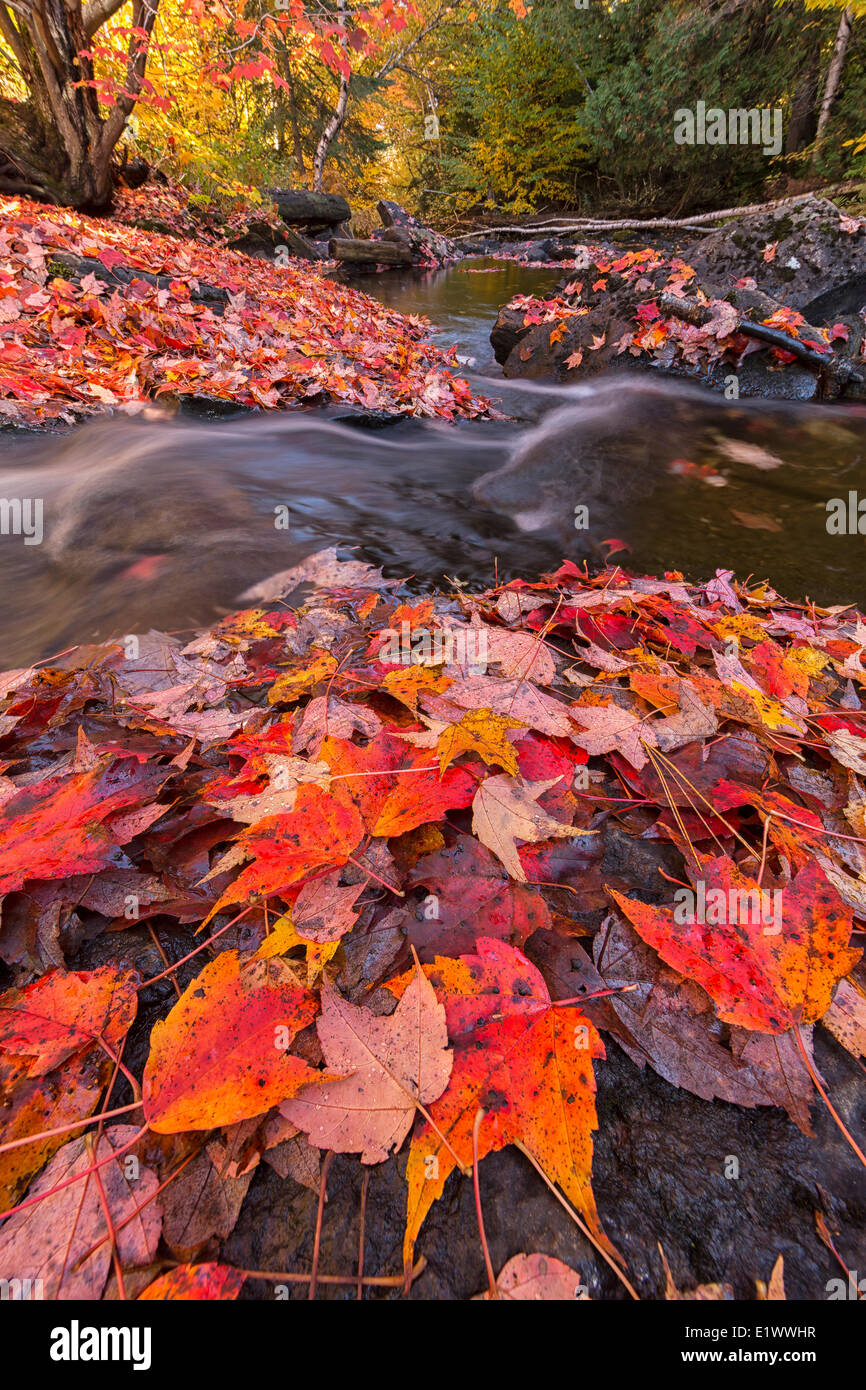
(407, 685)
(482, 732)
(284, 937)
(298, 681)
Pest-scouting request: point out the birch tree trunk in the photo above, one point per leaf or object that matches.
(330, 133)
(834, 72)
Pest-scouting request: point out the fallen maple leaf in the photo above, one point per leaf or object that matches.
(482, 732)
(763, 979)
(533, 1278)
(471, 896)
(196, 1282)
(524, 1061)
(395, 1062)
(660, 1018)
(607, 727)
(846, 1018)
(63, 1239)
(55, 828)
(62, 1014)
(505, 811)
(222, 1054)
(318, 832)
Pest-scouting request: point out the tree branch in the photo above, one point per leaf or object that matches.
(395, 61)
(97, 12)
(143, 17)
(11, 35)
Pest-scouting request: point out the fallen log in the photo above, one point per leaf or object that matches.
(369, 252)
(562, 229)
(300, 208)
(696, 223)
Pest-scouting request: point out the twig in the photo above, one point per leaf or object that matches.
(576, 1219)
(361, 1233)
(488, 1264)
(381, 1281)
(317, 1240)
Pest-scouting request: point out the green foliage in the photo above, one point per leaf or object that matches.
(540, 105)
(512, 121)
(577, 107)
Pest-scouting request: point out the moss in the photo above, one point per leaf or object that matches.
(784, 227)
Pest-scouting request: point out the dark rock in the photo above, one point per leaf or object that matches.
(201, 407)
(251, 244)
(300, 208)
(562, 251)
(842, 300)
(507, 332)
(155, 224)
(135, 172)
(813, 255)
(302, 247)
(262, 241)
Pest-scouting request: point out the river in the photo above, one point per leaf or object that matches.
(165, 522)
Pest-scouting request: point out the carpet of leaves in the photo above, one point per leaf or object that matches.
(399, 924)
(280, 337)
(218, 219)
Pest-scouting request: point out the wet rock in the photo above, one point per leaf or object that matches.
(508, 331)
(813, 253)
(540, 351)
(476, 246)
(265, 242)
(814, 268)
(658, 1175)
(202, 407)
(544, 250)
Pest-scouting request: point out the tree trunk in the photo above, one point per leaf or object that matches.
(802, 127)
(335, 124)
(369, 252)
(329, 134)
(297, 147)
(834, 72)
(56, 145)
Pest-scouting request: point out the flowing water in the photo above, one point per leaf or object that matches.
(165, 522)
